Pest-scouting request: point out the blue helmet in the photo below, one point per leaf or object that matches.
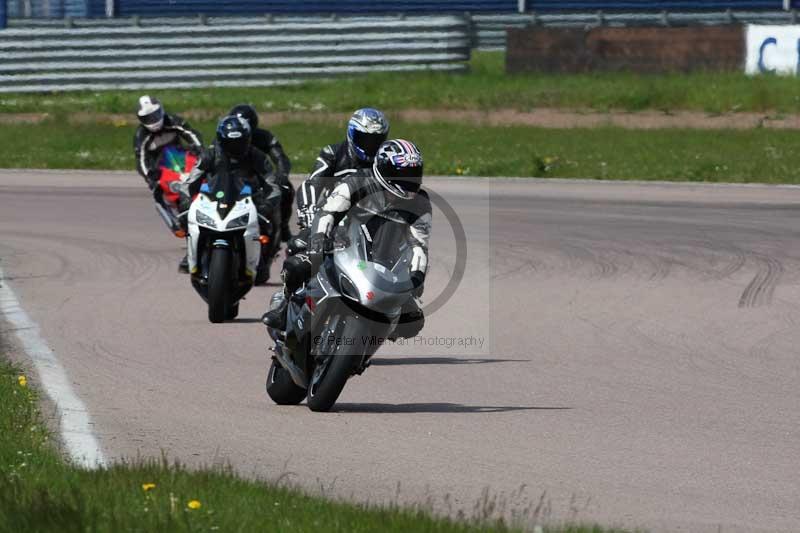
(233, 136)
(366, 131)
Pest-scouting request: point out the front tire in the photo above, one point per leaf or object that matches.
(343, 361)
(218, 281)
(281, 388)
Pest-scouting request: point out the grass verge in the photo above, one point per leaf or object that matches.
(40, 492)
(759, 155)
(486, 86)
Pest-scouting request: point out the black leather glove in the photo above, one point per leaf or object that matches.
(296, 245)
(316, 250)
(418, 281)
(153, 178)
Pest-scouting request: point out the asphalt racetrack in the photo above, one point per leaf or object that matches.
(623, 353)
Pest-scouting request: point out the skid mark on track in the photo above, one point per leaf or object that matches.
(580, 255)
(102, 261)
(761, 289)
(515, 259)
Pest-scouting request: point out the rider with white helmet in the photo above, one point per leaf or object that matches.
(158, 130)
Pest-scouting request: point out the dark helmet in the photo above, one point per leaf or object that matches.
(398, 167)
(150, 113)
(233, 136)
(247, 112)
(367, 129)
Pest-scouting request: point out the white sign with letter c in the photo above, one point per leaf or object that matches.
(773, 49)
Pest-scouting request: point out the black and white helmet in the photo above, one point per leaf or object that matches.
(398, 168)
(150, 113)
(247, 112)
(367, 129)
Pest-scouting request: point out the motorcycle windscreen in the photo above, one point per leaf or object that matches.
(225, 189)
(385, 240)
(383, 247)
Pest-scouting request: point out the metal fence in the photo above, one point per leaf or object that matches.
(158, 8)
(487, 31)
(258, 53)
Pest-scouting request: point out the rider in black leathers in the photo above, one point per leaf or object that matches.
(366, 130)
(233, 153)
(157, 130)
(268, 143)
(391, 190)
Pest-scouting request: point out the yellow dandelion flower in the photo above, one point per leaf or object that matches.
(148, 486)
(23, 381)
(194, 505)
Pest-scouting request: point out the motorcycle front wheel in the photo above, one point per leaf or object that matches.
(345, 349)
(281, 388)
(218, 281)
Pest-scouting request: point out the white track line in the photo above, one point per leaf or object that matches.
(82, 445)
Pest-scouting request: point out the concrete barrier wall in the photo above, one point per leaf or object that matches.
(643, 49)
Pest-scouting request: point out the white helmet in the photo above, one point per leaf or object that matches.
(150, 113)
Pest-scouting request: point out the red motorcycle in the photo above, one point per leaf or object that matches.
(174, 162)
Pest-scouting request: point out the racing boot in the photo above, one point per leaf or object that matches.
(183, 266)
(275, 318)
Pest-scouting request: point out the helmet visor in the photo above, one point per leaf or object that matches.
(369, 142)
(152, 119)
(236, 147)
(407, 178)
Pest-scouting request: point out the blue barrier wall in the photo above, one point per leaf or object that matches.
(55, 8)
(234, 7)
(654, 4)
(238, 7)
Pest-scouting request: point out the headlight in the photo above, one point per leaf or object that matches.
(348, 289)
(239, 222)
(205, 220)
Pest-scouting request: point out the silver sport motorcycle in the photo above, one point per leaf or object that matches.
(337, 322)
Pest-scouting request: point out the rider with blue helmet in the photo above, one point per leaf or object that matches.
(233, 154)
(367, 129)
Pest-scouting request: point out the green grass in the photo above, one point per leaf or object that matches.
(486, 86)
(39, 492)
(759, 155)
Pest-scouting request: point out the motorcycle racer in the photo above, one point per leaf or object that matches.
(366, 130)
(157, 130)
(233, 153)
(268, 143)
(391, 189)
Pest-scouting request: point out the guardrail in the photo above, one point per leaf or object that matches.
(487, 31)
(254, 53)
